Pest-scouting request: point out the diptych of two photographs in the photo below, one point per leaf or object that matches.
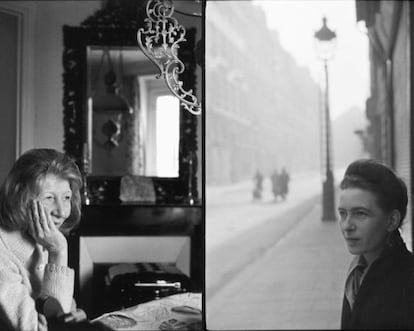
(206, 165)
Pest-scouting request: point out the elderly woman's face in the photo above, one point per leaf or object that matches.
(55, 194)
(363, 223)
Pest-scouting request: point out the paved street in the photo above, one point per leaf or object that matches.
(296, 284)
(230, 211)
(272, 265)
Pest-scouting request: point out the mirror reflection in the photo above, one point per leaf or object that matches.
(133, 119)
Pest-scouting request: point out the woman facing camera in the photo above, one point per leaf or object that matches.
(379, 290)
(39, 204)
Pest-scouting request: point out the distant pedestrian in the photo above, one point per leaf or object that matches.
(379, 290)
(276, 187)
(257, 185)
(284, 182)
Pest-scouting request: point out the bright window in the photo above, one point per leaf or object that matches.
(167, 135)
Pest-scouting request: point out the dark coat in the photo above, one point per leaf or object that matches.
(386, 297)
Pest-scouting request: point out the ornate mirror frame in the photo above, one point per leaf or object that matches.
(116, 25)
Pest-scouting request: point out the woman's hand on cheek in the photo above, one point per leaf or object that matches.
(44, 231)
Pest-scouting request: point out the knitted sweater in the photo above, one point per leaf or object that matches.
(24, 276)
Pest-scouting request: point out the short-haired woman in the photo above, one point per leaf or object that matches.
(379, 290)
(39, 203)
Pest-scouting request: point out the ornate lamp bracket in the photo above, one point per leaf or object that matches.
(159, 40)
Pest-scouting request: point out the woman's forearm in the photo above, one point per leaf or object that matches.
(59, 257)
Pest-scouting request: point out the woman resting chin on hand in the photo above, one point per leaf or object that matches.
(39, 204)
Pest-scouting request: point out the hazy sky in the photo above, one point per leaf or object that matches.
(297, 20)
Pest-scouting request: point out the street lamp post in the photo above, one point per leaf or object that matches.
(325, 41)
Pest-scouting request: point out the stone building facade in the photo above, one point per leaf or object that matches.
(262, 109)
(389, 136)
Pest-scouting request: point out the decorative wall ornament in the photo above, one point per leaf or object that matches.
(160, 40)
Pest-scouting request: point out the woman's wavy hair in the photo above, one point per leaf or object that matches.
(22, 185)
(377, 178)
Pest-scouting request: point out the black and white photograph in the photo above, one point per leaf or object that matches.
(206, 165)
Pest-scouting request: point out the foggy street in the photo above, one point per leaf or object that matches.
(233, 218)
(243, 235)
(231, 210)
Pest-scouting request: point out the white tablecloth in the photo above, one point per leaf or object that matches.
(162, 314)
